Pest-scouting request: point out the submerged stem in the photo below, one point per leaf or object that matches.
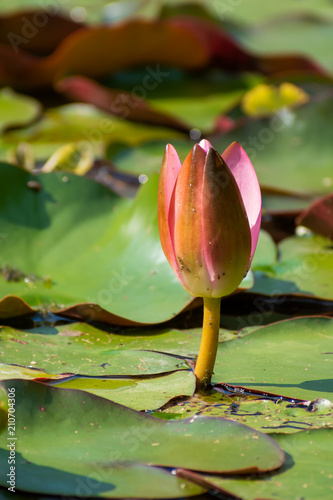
(209, 341)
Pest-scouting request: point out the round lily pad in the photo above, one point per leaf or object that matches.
(67, 437)
(67, 240)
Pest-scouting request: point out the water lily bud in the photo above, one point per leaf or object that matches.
(209, 214)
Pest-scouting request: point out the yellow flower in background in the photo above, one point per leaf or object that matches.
(264, 100)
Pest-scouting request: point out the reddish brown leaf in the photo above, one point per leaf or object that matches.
(319, 217)
(92, 312)
(283, 66)
(185, 42)
(198, 479)
(11, 306)
(126, 105)
(228, 54)
(96, 51)
(36, 31)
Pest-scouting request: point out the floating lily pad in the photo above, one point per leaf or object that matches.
(139, 394)
(18, 371)
(72, 241)
(57, 354)
(264, 415)
(290, 358)
(303, 267)
(82, 124)
(255, 11)
(306, 473)
(293, 35)
(319, 217)
(17, 109)
(284, 149)
(63, 434)
(199, 101)
(178, 342)
(3, 409)
(280, 203)
(146, 158)
(266, 252)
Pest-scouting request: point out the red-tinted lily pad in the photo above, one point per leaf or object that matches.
(319, 217)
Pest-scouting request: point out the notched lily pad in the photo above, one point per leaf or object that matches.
(63, 433)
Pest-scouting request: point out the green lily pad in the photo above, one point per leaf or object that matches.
(135, 392)
(290, 358)
(293, 34)
(266, 252)
(146, 158)
(286, 147)
(3, 409)
(121, 366)
(255, 11)
(306, 473)
(68, 435)
(73, 241)
(279, 203)
(192, 99)
(99, 480)
(178, 342)
(303, 267)
(17, 371)
(17, 109)
(82, 355)
(92, 11)
(83, 124)
(264, 415)
(83, 349)
(199, 111)
(139, 394)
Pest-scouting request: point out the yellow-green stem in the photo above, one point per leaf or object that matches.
(209, 341)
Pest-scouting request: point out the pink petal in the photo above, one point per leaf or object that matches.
(247, 181)
(173, 165)
(188, 224)
(168, 176)
(205, 145)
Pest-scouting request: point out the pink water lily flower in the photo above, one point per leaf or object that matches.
(209, 215)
